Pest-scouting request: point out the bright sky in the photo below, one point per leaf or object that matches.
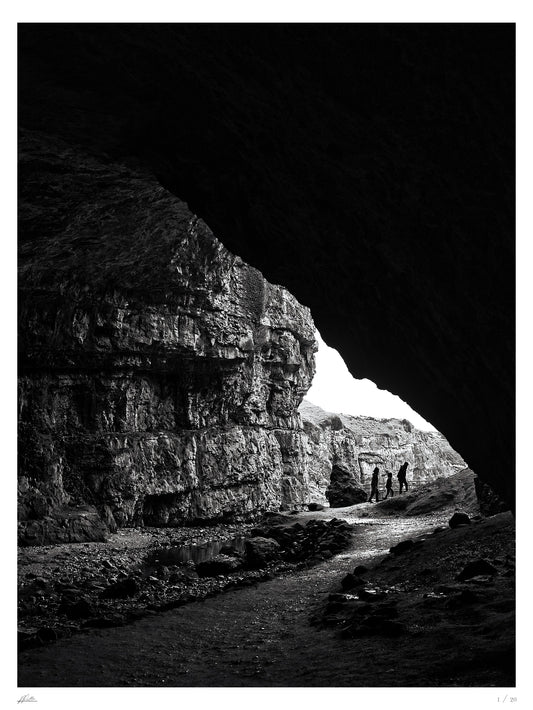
(335, 390)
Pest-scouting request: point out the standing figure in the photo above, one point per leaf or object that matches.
(388, 485)
(402, 476)
(374, 485)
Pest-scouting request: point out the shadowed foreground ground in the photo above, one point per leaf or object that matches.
(261, 636)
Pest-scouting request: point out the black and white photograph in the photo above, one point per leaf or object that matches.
(266, 357)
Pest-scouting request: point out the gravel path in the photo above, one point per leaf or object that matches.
(257, 636)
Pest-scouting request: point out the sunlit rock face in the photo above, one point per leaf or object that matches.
(159, 374)
(356, 445)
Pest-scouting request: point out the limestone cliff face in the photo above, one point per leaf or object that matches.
(357, 444)
(159, 374)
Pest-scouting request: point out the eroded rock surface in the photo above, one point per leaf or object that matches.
(159, 374)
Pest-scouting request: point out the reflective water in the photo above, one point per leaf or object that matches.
(196, 553)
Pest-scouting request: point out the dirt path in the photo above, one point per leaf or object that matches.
(257, 636)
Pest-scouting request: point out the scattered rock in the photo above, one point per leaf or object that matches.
(465, 597)
(80, 609)
(370, 595)
(119, 590)
(65, 525)
(482, 579)
(230, 551)
(316, 540)
(162, 572)
(339, 598)
(430, 598)
(448, 588)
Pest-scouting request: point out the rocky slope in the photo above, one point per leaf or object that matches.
(159, 374)
(353, 446)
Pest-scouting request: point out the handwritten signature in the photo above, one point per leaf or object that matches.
(27, 699)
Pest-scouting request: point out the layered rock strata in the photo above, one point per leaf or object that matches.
(159, 374)
(354, 446)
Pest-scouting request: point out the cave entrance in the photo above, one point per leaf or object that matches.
(355, 428)
(334, 389)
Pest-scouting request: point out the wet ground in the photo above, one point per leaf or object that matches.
(262, 636)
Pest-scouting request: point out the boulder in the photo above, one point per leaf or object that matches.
(475, 569)
(259, 532)
(221, 564)
(315, 506)
(402, 547)
(350, 581)
(344, 489)
(459, 519)
(262, 550)
(359, 570)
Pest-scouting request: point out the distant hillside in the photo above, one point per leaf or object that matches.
(358, 444)
(358, 424)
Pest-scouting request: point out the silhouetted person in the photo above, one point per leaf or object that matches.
(388, 485)
(374, 485)
(402, 476)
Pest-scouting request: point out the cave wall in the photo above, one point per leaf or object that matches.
(367, 168)
(158, 372)
(355, 445)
